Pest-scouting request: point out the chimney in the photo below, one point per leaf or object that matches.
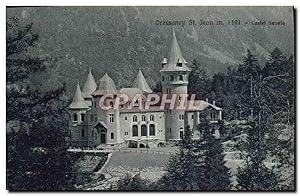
(164, 62)
(214, 103)
(206, 100)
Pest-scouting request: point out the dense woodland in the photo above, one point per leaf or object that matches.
(260, 96)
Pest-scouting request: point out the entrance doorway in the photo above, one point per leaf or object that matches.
(102, 138)
(181, 134)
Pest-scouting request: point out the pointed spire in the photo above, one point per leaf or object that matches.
(176, 58)
(105, 86)
(89, 86)
(141, 83)
(78, 101)
(175, 53)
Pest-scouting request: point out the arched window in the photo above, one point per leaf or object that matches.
(134, 118)
(82, 117)
(75, 117)
(181, 77)
(152, 130)
(152, 117)
(143, 118)
(144, 130)
(171, 77)
(134, 131)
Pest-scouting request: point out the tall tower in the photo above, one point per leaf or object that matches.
(89, 87)
(78, 107)
(174, 80)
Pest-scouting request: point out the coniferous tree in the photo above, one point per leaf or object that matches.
(255, 174)
(182, 171)
(247, 73)
(37, 120)
(281, 125)
(214, 175)
(276, 64)
(199, 83)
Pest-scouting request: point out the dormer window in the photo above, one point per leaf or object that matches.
(164, 62)
(181, 77)
(179, 62)
(75, 117)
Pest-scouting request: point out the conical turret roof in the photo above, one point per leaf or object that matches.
(78, 101)
(89, 86)
(105, 86)
(175, 58)
(141, 83)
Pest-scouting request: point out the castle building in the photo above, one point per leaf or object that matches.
(134, 126)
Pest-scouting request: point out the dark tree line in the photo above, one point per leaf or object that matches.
(233, 90)
(37, 125)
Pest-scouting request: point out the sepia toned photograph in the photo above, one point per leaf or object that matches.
(149, 98)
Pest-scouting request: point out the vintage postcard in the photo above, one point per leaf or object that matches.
(150, 98)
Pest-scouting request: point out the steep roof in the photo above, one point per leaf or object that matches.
(89, 86)
(131, 91)
(105, 86)
(141, 83)
(201, 105)
(175, 57)
(78, 101)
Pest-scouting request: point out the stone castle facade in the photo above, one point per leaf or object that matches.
(137, 127)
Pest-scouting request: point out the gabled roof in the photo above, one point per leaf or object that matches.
(131, 91)
(175, 57)
(141, 83)
(201, 105)
(100, 123)
(89, 86)
(105, 86)
(78, 101)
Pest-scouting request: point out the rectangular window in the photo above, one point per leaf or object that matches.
(112, 136)
(82, 133)
(181, 77)
(181, 117)
(192, 116)
(111, 118)
(82, 117)
(171, 77)
(125, 117)
(75, 117)
(92, 117)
